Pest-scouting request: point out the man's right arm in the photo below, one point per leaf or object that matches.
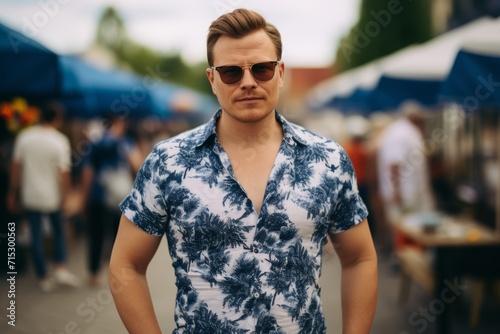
(132, 252)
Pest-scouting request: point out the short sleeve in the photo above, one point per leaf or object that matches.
(145, 204)
(348, 209)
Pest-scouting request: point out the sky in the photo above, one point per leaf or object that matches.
(310, 29)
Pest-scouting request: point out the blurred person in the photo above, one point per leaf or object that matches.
(355, 148)
(404, 179)
(107, 177)
(39, 182)
(247, 202)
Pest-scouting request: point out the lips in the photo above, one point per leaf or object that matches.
(248, 99)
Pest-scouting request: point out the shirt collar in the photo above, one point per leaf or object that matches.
(208, 131)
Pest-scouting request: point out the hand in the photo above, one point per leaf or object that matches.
(72, 204)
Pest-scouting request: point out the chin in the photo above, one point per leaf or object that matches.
(250, 115)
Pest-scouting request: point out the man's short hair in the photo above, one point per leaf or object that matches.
(109, 118)
(415, 111)
(240, 23)
(50, 111)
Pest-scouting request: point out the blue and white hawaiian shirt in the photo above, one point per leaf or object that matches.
(239, 271)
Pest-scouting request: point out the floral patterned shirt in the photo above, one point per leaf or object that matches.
(239, 271)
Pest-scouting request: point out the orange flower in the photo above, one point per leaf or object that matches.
(6, 111)
(18, 114)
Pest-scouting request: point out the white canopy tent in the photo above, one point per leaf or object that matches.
(434, 59)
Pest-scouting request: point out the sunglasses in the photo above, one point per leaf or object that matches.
(232, 74)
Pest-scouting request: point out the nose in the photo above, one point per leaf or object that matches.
(248, 80)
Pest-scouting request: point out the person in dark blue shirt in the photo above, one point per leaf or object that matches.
(108, 175)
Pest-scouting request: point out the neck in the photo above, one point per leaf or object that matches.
(47, 125)
(233, 132)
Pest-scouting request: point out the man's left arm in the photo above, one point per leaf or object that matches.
(358, 260)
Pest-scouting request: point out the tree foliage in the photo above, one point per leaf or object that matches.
(110, 29)
(111, 34)
(384, 26)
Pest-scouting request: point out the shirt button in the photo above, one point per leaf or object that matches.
(255, 250)
(256, 295)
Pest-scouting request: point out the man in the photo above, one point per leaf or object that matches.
(404, 180)
(39, 176)
(107, 177)
(247, 202)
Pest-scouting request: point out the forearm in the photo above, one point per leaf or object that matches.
(359, 296)
(132, 298)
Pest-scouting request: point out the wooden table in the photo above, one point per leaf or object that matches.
(462, 248)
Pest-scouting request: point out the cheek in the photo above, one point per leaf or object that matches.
(222, 92)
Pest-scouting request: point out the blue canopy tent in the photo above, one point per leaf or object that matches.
(32, 71)
(355, 103)
(388, 95)
(474, 81)
(417, 72)
(391, 92)
(346, 91)
(27, 68)
(89, 91)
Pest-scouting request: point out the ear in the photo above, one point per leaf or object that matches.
(210, 75)
(281, 73)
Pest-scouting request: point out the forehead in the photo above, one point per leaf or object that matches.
(254, 47)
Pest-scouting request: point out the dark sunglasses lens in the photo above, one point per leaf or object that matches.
(230, 74)
(263, 71)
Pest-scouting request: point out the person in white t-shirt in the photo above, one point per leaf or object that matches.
(404, 179)
(39, 182)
